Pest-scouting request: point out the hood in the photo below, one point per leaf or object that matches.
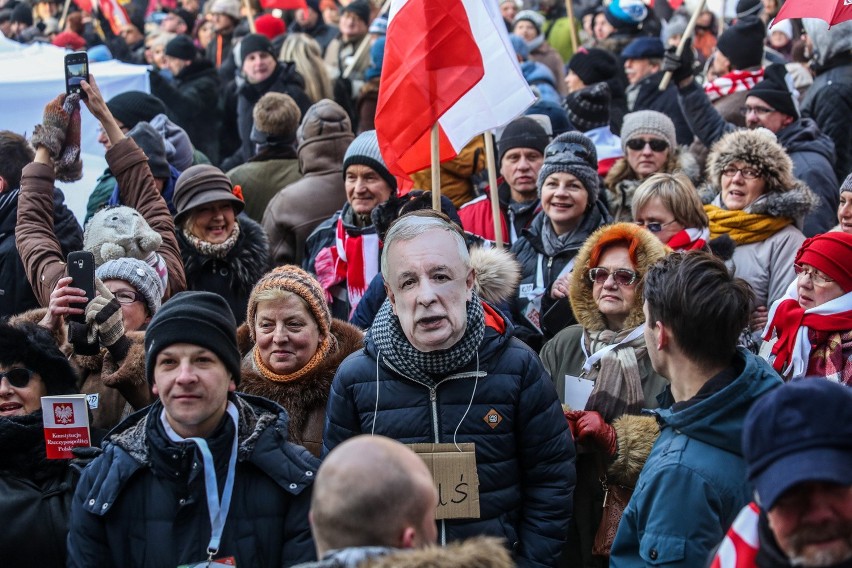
(828, 43)
(497, 274)
(535, 72)
(648, 251)
(479, 552)
(178, 146)
(718, 420)
(805, 136)
(325, 134)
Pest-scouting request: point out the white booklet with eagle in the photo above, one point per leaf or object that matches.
(66, 424)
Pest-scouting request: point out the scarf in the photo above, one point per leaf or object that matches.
(733, 82)
(427, 368)
(618, 386)
(326, 347)
(353, 259)
(743, 228)
(535, 43)
(552, 243)
(793, 325)
(689, 239)
(219, 250)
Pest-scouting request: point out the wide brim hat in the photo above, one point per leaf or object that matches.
(202, 184)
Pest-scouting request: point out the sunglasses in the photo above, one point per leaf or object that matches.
(578, 150)
(19, 378)
(621, 276)
(656, 145)
(654, 227)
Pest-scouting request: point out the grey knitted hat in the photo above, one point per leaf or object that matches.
(138, 274)
(847, 184)
(588, 108)
(647, 122)
(532, 17)
(364, 151)
(575, 154)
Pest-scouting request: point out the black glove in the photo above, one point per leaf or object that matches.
(681, 66)
(83, 456)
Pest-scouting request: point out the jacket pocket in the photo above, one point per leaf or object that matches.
(658, 549)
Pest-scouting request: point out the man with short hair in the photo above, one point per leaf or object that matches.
(693, 483)
(797, 442)
(203, 472)
(309, 20)
(520, 153)
(441, 366)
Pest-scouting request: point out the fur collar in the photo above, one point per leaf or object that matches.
(497, 274)
(477, 552)
(793, 203)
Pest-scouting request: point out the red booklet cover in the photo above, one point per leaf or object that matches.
(66, 424)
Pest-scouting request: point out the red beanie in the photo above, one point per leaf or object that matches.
(830, 253)
(270, 26)
(69, 39)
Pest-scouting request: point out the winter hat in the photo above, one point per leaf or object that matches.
(22, 14)
(553, 113)
(99, 53)
(325, 121)
(847, 184)
(132, 107)
(198, 318)
(151, 142)
(276, 118)
(829, 253)
(292, 279)
(138, 274)
(798, 432)
(675, 27)
(179, 151)
(589, 108)
(626, 14)
(521, 48)
(181, 47)
(359, 8)
(747, 8)
(593, 65)
(777, 90)
(785, 27)
(532, 17)
(742, 43)
(377, 58)
(647, 122)
(202, 184)
(33, 347)
(758, 148)
(379, 26)
(119, 232)
(522, 132)
(575, 154)
(228, 7)
(69, 40)
(255, 42)
(644, 48)
(364, 151)
(270, 26)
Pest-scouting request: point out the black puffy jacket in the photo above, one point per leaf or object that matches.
(525, 463)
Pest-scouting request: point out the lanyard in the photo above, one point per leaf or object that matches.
(539, 271)
(218, 510)
(597, 355)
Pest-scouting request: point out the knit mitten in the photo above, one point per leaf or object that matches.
(103, 316)
(51, 133)
(68, 165)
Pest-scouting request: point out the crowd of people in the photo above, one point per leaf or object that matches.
(291, 359)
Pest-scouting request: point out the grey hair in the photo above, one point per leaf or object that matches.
(409, 227)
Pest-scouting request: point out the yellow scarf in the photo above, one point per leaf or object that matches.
(744, 228)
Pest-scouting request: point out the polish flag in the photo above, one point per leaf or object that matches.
(448, 62)
(115, 14)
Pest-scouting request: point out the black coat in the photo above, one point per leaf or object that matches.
(666, 102)
(829, 102)
(143, 503)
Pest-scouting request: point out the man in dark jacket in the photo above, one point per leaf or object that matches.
(153, 497)
(226, 17)
(441, 366)
(309, 21)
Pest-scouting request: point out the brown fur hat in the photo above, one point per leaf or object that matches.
(758, 148)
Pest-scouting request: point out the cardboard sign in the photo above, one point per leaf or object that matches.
(455, 477)
(66, 424)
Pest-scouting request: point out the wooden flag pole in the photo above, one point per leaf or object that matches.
(362, 47)
(492, 184)
(249, 16)
(64, 15)
(569, 9)
(688, 33)
(436, 169)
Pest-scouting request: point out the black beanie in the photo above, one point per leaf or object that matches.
(358, 8)
(255, 42)
(198, 318)
(593, 65)
(589, 108)
(34, 348)
(151, 142)
(742, 43)
(523, 132)
(22, 14)
(181, 47)
(133, 107)
(774, 91)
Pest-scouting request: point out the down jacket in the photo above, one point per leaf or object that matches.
(525, 463)
(143, 503)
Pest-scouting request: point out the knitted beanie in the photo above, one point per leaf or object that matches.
(847, 184)
(151, 142)
(575, 154)
(829, 253)
(202, 184)
(776, 91)
(270, 26)
(742, 43)
(589, 108)
(22, 14)
(747, 8)
(647, 122)
(181, 47)
(292, 279)
(626, 14)
(228, 7)
(522, 132)
(360, 8)
(33, 347)
(252, 43)
(364, 151)
(532, 17)
(138, 274)
(133, 107)
(593, 65)
(197, 318)
(119, 232)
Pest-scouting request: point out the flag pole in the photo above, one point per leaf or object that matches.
(64, 15)
(362, 47)
(569, 9)
(436, 169)
(688, 33)
(249, 16)
(492, 184)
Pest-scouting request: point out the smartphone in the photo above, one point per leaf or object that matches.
(81, 268)
(76, 70)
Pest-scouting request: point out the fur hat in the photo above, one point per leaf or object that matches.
(151, 142)
(588, 108)
(133, 107)
(292, 279)
(777, 90)
(202, 184)
(648, 122)
(524, 132)
(119, 232)
(757, 148)
(181, 47)
(228, 7)
(34, 348)
(364, 150)
(532, 17)
(575, 154)
(138, 274)
(276, 119)
(742, 43)
(593, 65)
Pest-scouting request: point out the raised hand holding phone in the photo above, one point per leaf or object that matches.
(76, 71)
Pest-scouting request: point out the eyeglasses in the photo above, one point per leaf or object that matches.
(621, 276)
(655, 227)
(128, 296)
(748, 173)
(578, 150)
(18, 378)
(817, 277)
(758, 110)
(656, 145)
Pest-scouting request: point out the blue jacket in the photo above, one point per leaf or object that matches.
(694, 482)
(525, 463)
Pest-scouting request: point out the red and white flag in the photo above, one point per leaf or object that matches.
(448, 62)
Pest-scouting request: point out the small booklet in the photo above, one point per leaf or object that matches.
(66, 424)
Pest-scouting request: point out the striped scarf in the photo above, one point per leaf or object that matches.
(733, 82)
(689, 239)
